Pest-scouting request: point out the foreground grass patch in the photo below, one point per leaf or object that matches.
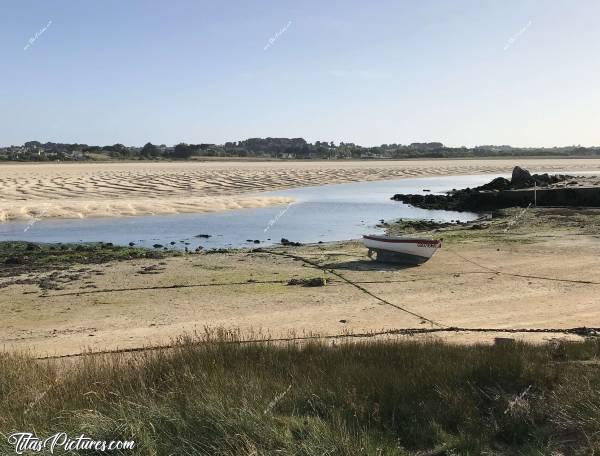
(355, 398)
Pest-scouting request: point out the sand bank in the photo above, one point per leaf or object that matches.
(115, 189)
(83, 208)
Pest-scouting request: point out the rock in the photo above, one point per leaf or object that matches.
(131, 244)
(256, 241)
(499, 183)
(205, 236)
(520, 177)
(158, 246)
(287, 242)
(504, 341)
(314, 282)
(12, 261)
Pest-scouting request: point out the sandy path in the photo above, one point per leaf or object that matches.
(116, 306)
(77, 190)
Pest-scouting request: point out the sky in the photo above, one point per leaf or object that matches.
(464, 73)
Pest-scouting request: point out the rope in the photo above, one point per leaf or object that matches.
(354, 284)
(578, 331)
(524, 276)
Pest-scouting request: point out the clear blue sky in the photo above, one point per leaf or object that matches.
(370, 72)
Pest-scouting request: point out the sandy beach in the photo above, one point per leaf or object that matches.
(79, 190)
(483, 278)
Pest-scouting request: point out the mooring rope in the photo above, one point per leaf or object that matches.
(354, 284)
(524, 276)
(578, 331)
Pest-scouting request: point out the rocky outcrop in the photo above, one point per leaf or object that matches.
(520, 177)
(501, 193)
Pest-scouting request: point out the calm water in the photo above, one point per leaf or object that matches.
(323, 213)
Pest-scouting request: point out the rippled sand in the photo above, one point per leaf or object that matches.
(73, 190)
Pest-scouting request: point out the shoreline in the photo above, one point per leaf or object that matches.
(149, 301)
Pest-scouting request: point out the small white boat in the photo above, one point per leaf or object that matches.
(400, 249)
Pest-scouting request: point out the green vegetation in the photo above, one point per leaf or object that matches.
(17, 257)
(267, 148)
(376, 397)
(506, 226)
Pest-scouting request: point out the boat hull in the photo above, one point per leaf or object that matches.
(401, 250)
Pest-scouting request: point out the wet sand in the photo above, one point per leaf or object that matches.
(78, 190)
(147, 302)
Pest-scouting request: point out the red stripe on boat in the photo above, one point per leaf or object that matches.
(406, 241)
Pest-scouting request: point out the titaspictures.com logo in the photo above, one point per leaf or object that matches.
(27, 442)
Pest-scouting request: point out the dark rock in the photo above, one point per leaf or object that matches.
(520, 177)
(287, 242)
(131, 244)
(499, 183)
(504, 341)
(13, 261)
(497, 195)
(477, 226)
(314, 282)
(205, 236)
(158, 246)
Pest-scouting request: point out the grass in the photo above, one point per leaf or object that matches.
(378, 397)
(17, 257)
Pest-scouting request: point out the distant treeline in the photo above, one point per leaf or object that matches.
(281, 148)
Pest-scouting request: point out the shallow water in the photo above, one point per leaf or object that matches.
(323, 213)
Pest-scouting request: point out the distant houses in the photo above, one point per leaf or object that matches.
(278, 148)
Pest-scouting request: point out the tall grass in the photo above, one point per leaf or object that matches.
(381, 397)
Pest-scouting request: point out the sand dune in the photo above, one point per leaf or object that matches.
(74, 190)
